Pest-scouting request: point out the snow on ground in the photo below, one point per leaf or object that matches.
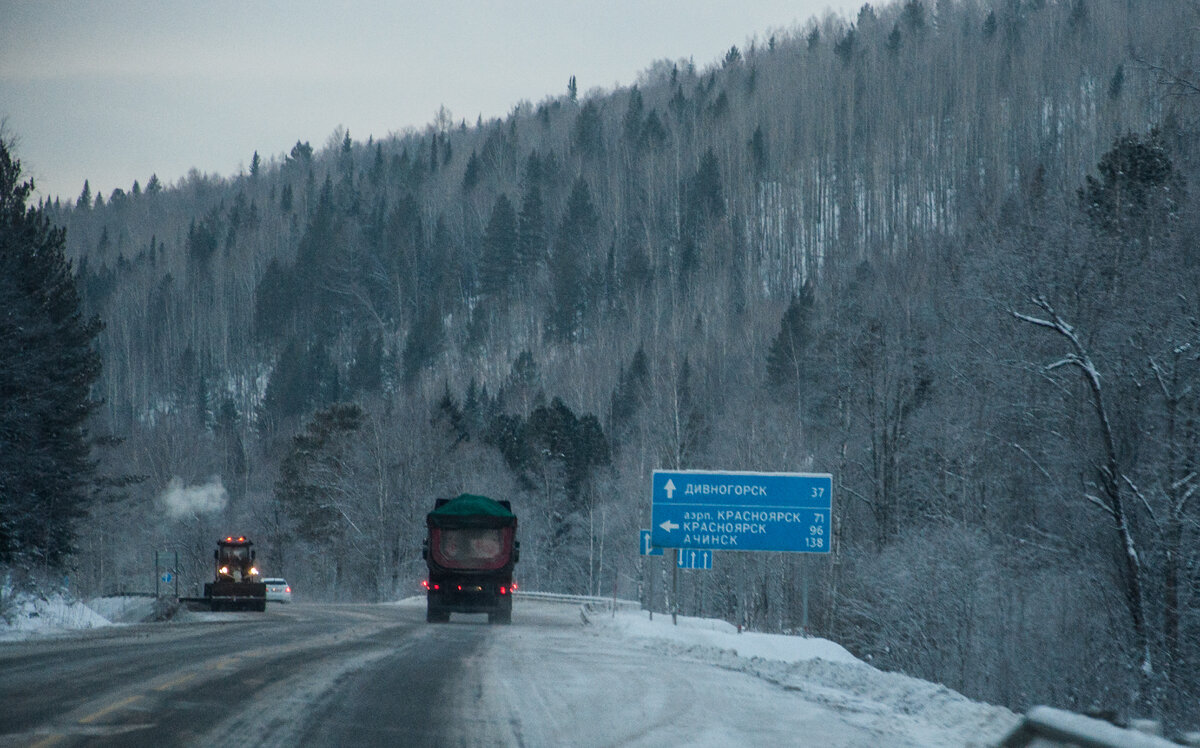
(819, 671)
(565, 675)
(25, 616)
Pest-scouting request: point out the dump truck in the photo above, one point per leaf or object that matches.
(237, 585)
(470, 549)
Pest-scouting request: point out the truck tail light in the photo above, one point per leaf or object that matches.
(503, 590)
(425, 583)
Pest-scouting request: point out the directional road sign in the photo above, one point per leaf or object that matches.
(693, 559)
(647, 548)
(741, 511)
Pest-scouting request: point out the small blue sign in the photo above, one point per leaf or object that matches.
(167, 577)
(646, 547)
(693, 559)
(741, 511)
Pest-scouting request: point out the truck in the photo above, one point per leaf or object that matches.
(237, 584)
(470, 549)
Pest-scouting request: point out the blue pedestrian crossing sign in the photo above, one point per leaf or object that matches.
(741, 511)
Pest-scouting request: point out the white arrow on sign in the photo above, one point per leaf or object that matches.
(670, 488)
(669, 526)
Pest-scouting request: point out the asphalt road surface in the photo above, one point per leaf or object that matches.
(378, 675)
(298, 674)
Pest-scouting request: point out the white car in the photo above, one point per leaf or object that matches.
(278, 589)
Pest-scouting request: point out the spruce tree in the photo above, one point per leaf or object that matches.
(570, 261)
(499, 261)
(787, 360)
(48, 364)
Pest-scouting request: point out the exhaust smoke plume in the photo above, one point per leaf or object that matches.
(183, 501)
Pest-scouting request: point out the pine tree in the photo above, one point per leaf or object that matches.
(588, 133)
(570, 261)
(85, 197)
(531, 230)
(471, 173)
(787, 364)
(632, 392)
(1136, 175)
(499, 261)
(48, 364)
(316, 456)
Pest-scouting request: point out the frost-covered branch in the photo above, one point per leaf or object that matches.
(1098, 502)
(1142, 497)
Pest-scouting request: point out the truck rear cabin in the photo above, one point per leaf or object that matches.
(470, 550)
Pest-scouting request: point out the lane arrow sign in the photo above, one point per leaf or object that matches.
(670, 488)
(669, 526)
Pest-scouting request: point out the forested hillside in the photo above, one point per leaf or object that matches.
(943, 252)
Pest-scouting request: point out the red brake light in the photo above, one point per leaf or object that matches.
(425, 583)
(437, 586)
(460, 588)
(288, 589)
(503, 590)
(514, 586)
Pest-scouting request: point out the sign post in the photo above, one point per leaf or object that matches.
(695, 512)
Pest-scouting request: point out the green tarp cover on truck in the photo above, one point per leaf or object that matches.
(470, 510)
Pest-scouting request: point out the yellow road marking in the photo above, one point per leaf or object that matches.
(178, 681)
(110, 708)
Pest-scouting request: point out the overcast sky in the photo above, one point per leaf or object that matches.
(116, 91)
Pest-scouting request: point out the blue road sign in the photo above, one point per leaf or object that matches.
(646, 547)
(690, 558)
(741, 511)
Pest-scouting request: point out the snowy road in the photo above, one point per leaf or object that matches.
(378, 675)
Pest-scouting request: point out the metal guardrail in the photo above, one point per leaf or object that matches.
(1046, 727)
(556, 597)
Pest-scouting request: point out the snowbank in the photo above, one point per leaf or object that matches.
(712, 633)
(821, 672)
(32, 615)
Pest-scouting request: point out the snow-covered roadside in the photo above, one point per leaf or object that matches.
(28, 616)
(819, 671)
(584, 676)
